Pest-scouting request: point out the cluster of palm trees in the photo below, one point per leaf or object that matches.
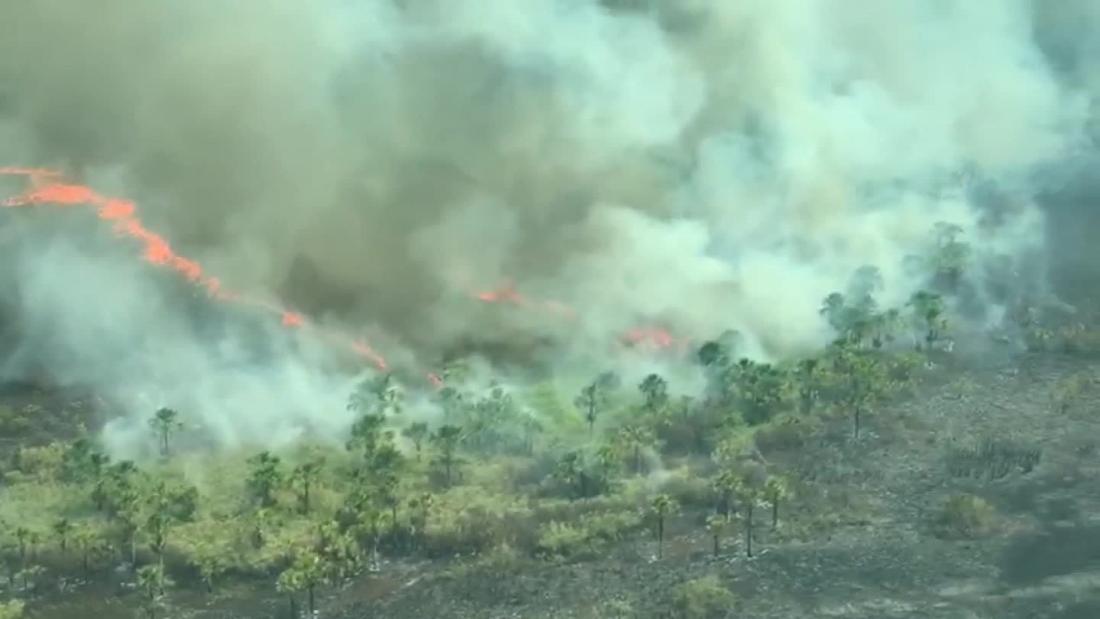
(385, 500)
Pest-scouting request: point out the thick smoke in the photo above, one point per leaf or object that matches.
(706, 165)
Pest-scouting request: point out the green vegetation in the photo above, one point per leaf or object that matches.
(509, 474)
(702, 598)
(965, 516)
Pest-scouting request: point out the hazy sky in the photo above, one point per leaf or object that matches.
(707, 164)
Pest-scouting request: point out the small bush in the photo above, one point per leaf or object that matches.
(14, 423)
(702, 598)
(616, 609)
(477, 529)
(688, 489)
(965, 516)
(12, 609)
(787, 434)
(993, 459)
(1078, 340)
(1067, 393)
(41, 463)
(563, 540)
(585, 536)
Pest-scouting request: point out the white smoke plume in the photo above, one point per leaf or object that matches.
(705, 165)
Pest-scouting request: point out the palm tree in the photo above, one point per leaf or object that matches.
(380, 395)
(150, 581)
(710, 354)
(164, 422)
(570, 470)
(717, 525)
(588, 402)
(304, 477)
(161, 516)
(655, 391)
(747, 497)
(212, 562)
(88, 542)
(416, 432)
(776, 489)
(62, 528)
(807, 385)
(531, 427)
(636, 437)
(446, 439)
(928, 307)
(608, 458)
(25, 539)
(662, 506)
(421, 507)
(366, 434)
(264, 478)
(726, 484)
(290, 582)
(833, 309)
(864, 378)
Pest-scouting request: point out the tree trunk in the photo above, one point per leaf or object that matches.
(717, 547)
(305, 496)
(660, 536)
(293, 606)
(312, 604)
(637, 459)
(855, 418)
(748, 531)
(775, 513)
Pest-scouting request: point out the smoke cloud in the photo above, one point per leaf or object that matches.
(700, 164)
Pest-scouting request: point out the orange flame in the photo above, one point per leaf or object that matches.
(48, 189)
(653, 337)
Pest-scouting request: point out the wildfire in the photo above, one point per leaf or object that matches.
(653, 337)
(49, 189)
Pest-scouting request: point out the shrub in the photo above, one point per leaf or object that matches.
(993, 458)
(1067, 393)
(476, 528)
(583, 538)
(611, 526)
(14, 423)
(965, 516)
(786, 434)
(1078, 339)
(563, 540)
(616, 609)
(11, 610)
(41, 463)
(702, 598)
(688, 489)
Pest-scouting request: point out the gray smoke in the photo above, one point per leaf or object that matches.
(702, 164)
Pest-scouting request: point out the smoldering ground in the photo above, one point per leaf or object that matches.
(706, 165)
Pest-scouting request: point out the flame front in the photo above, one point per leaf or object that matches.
(48, 188)
(651, 337)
